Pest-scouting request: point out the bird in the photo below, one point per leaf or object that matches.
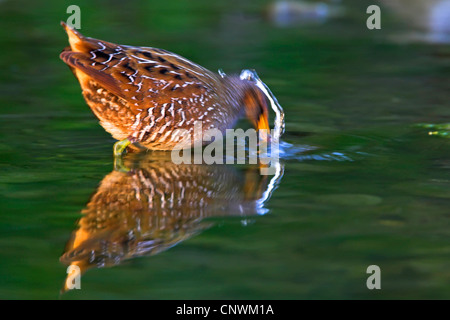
(145, 96)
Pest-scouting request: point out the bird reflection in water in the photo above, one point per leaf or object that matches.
(157, 204)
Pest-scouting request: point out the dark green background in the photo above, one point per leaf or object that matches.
(344, 89)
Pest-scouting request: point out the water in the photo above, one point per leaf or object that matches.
(362, 184)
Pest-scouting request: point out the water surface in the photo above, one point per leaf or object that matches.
(363, 186)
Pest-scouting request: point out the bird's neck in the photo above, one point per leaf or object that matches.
(235, 90)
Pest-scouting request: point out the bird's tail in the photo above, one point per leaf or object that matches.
(78, 42)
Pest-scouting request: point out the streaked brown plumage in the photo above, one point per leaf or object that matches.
(145, 94)
(157, 205)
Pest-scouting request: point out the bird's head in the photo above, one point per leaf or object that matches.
(255, 102)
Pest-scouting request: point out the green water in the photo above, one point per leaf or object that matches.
(374, 191)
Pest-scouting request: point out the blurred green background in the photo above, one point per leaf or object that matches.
(345, 89)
